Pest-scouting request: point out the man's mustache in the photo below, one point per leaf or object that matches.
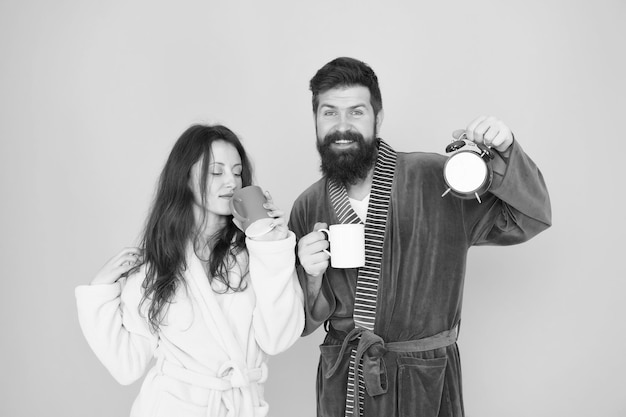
(347, 135)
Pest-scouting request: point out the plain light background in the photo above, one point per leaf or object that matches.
(94, 94)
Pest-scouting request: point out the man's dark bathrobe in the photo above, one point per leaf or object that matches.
(420, 288)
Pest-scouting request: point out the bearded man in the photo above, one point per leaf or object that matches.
(390, 348)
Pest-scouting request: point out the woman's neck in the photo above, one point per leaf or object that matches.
(209, 224)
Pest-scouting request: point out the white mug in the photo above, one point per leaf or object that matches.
(347, 245)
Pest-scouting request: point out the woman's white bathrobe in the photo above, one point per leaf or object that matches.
(211, 351)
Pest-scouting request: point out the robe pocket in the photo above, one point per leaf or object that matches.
(420, 386)
(331, 392)
(169, 406)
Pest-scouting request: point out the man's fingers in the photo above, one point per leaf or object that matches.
(472, 127)
(312, 246)
(503, 140)
(497, 140)
(318, 226)
(490, 135)
(458, 133)
(311, 238)
(482, 128)
(317, 258)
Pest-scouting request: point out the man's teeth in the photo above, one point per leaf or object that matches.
(342, 141)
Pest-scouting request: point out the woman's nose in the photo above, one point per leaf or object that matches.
(230, 181)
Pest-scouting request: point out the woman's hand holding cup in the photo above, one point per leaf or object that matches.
(279, 225)
(255, 213)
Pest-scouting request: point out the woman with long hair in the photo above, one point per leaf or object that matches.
(206, 302)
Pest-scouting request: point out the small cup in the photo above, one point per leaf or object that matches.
(347, 245)
(247, 207)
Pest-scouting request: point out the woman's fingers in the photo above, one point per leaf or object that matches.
(276, 213)
(119, 265)
(125, 253)
(271, 208)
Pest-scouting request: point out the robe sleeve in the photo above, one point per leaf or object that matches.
(278, 317)
(119, 336)
(517, 206)
(324, 303)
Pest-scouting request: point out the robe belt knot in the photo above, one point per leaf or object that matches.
(230, 375)
(241, 376)
(370, 350)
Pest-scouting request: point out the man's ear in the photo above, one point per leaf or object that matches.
(379, 120)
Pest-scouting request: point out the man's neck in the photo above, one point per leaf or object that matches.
(359, 190)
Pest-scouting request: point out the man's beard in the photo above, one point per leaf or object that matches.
(347, 166)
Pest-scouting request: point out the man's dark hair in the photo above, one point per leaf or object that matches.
(346, 72)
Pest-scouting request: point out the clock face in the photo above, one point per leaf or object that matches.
(465, 172)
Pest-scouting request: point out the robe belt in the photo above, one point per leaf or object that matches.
(370, 350)
(229, 376)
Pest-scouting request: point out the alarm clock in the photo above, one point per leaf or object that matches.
(467, 171)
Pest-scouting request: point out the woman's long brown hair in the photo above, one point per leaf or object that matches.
(171, 224)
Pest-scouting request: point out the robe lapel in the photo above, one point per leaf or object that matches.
(210, 310)
(341, 203)
(375, 226)
(364, 314)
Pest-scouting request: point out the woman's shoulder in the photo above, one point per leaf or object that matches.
(132, 284)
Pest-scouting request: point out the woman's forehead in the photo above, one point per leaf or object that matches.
(223, 152)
